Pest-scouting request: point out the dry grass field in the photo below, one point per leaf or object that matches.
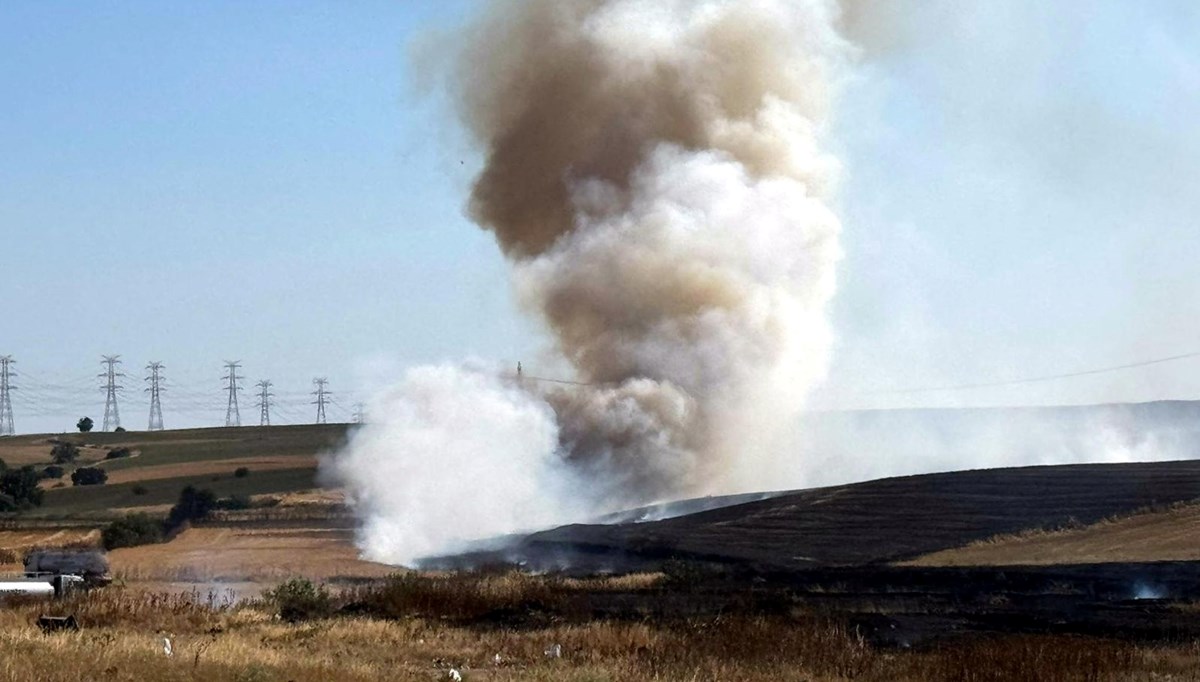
(414, 630)
(208, 468)
(1166, 535)
(247, 554)
(204, 588)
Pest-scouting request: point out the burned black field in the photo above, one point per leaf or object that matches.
(847, 552)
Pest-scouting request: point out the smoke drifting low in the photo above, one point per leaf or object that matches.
(654, 175)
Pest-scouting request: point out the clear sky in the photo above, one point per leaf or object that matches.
(267, 182)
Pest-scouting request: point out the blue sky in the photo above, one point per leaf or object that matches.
(265, 182)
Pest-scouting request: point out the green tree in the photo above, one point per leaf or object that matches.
(131, 531)
(194, 504)
(64, 453)
(118, 453)
(85, 424)
(299, 599)
(89, 476)
(21, 487)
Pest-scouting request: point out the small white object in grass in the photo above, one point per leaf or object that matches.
(555, 651)
(496, 660)
(455, 675)
(167, 646)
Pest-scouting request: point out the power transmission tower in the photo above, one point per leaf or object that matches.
(264, 402)
(112, 414)
(6, 387)
(155, 379)
(232, 416)
(322, 396)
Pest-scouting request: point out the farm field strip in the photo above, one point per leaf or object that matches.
(247, 555)
(207, 467)
(1169, 535)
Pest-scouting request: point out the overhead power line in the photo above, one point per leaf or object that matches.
(1040, 379)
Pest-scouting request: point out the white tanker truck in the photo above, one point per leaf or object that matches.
(53, 574)
(48, 587)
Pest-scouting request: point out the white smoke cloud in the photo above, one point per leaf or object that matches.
(454, 455)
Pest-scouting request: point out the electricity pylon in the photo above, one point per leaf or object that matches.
(232, 416)
(155, 379)
(6, 388)
(112, 413)
(322, 396)
(264, 402)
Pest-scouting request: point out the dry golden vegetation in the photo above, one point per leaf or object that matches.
(419, 628)
(1163, 534)
(203, 554)
(15, 544)
(207, 468)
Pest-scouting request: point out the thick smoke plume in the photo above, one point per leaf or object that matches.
(653, 172)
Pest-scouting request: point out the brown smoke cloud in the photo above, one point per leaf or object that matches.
(653, 171)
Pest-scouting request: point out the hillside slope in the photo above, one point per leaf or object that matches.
(879, 521)
(1172, 534)
(280, 459)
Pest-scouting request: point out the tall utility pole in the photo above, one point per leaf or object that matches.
(155, 379)
(322, 396)
(6, 388)
(112, 415)
(232, 416)
(264, 402)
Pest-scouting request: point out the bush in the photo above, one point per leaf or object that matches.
(118, 453)
(89, 476)
(235, 503)
(463, 597)
(64, 453)
(20, 488)
(131, 531)
(241, 472)
(194, 504)
(299, 599)
(85, 424)
(3, 466)
(119, 429)
(53, 471)
(140, 490)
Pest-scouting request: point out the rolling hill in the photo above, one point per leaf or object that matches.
(872, 523)
(280, 459)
